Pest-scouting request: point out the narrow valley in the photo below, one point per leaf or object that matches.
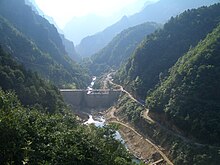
(140, 86)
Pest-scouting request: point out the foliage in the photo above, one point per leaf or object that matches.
(35, 43)
(186, 97)
(31, 137)
(180, 150)
(131, 109)
(120, 48)
(160, 51)
(30, 89)
(190, 95)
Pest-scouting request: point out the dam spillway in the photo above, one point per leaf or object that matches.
(100, 98)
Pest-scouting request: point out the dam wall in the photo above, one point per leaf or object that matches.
(93, 99)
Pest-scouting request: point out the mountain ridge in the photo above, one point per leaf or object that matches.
(189, 96)
(39, 44)
(158, 52)
(92, 44)
(121, 48)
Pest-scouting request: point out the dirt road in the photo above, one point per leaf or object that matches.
(146, 146)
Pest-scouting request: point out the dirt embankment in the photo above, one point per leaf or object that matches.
(142, 148)
(138, 146)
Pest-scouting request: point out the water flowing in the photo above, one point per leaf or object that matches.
(90, 87)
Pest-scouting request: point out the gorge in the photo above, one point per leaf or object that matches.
(157, 84)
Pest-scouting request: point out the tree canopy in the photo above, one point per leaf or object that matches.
(190, 95)
(35, 43)
(32, 137)
(120, 48)
(161, 50)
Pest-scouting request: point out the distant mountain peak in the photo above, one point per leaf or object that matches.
(159, 12)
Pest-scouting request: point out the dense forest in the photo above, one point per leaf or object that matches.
(35, 43)
(32, 137)
(175, 68)
(189, 96)
(182, 150)
(37, 128)
(120, 48)
(30, 88)
(160, 51)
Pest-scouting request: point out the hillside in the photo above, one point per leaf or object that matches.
(29, 87)
(30, 137)
(160, 51)
(70, 48)
(68, 45)
(36, 127)
(120, 48)
(189, 96)
(89, 24)
(35, 43)
(92, 44)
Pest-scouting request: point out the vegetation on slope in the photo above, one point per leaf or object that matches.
(44, 131)
(158, 12)
(34, 42)
(190, 95)
(160, 51)
(129, 109)
(30, 137)
(184, 98)
(31, 90)
(181, 150)
(120, 48)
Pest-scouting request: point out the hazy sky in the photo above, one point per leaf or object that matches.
(63, 11)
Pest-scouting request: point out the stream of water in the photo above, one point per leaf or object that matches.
(90, 87)
(100, 122)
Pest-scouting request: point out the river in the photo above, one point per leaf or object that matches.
(90, 87)
(99, 121)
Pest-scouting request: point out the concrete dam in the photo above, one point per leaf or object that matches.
(101, 98)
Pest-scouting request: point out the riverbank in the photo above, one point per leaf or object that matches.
(142, 148)
(138, 146)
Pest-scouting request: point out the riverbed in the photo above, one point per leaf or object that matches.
(99, 121)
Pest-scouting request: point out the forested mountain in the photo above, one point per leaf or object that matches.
(30, 137)
(92, 44)
(120, 48)
(160, 51)
(31, 90)
(34, 42)
(35, 125)
(190, 96)
(80, 27)
(70, 48)
(158, 12)
(68, 45)
(44, 131)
